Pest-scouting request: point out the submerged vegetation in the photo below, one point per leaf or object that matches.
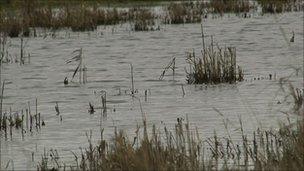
(23, 120)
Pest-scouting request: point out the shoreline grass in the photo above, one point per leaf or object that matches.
(279, 6)
(23, 17)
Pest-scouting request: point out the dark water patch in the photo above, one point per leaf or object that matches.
(116, 101)
(122, 62)
(153, 80)
(70, 99)
(94, 87)
(41, 66)
(7, 82)
(129, 45)
(99, 69)
(44, 47)
(132, 39)
(108, 81)
(158, 37)
(34, 78)
(61, 101)
(72, 85)
(33, 87)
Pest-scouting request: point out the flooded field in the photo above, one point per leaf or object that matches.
(262, 49)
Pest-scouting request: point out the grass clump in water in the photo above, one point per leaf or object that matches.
(215, 66)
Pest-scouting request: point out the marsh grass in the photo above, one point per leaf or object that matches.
(192, 12)
(143, 19)
(183, 149)
(214, 67)
(3, 46)
(279, 6)
(230, 6)
(179, 13)
(77, 17)
(21, 18)
(13, 26)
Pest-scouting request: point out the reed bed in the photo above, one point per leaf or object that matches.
(143, 19)
(230, 6)
(178, 13)
(80, 17)
(23, 17)
(279, 6)
(216, 66)
(192, 12)
(12, 25)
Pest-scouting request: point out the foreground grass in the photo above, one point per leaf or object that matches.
(183, 149)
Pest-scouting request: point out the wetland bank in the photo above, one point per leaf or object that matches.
(185, 116)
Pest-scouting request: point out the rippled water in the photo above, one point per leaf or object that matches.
(261, 50)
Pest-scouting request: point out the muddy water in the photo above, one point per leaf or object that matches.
(261, 50)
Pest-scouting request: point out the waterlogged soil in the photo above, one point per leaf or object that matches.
(263, 48)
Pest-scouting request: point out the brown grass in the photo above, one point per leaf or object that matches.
(279, 6)
(20, 18)
(214, 67)
(143, 19)
(183, 149)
